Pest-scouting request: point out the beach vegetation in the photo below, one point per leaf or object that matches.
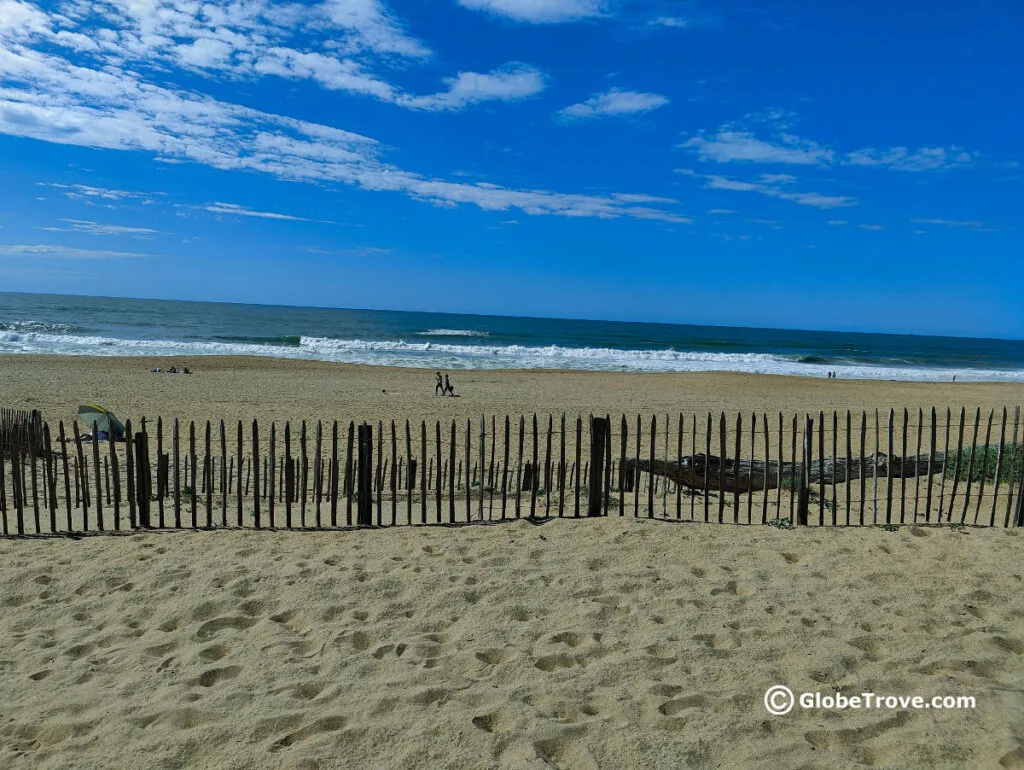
(790, 482)
(985, 462)
(891, 527)
(782, 523)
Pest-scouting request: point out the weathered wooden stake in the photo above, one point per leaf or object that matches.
(598, 437)
(364, 493)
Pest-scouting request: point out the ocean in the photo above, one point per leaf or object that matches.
(103, 326)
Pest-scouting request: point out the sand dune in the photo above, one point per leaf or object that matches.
(608, 643)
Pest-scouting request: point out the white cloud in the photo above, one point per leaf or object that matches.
(838, 222)
(971, 224)
(738, 142)
(47, 97)
(45, 251)
(540, 11)
(722, 211)
(639, 198)
(903, 159)
(613, 103)
(871, 227)
(258, 39)
(235, 210)
(676, 22)
(510, 83)
(373, 27)
(768, 184)
(84, 192)
(95, 228)
(727, 146)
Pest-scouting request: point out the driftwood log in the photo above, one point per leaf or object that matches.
(746, 475)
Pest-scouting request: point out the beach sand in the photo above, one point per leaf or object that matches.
(608, 643)
(236, 388)
(603, 643)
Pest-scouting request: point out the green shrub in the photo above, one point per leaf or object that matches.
(985, 463)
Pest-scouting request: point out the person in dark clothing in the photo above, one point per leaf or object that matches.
(448, 386)
(440, 385)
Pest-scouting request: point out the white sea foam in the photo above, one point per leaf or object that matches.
(433, 355)
(452, 333)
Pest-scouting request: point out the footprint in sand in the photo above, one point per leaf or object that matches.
(832, 739)
(323, 725)
(212, 676)
(211, 628)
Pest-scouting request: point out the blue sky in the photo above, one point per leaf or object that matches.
(851, 166)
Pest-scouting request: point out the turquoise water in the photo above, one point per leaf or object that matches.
(99, 326)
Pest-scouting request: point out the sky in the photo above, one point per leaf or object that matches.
(843, 165)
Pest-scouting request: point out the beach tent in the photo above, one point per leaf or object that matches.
(104, 419)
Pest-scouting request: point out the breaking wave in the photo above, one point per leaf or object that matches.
(432, 354)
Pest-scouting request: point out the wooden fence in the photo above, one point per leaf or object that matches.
(890, 468)
(22, 429)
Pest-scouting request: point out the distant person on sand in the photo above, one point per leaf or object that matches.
(448, 386)
(440, 385)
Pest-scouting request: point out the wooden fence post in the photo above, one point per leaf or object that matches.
(81, 478)
(1019, 518)
(176, 475)
(364, 491)
(115, 469)
(254, 464)
(623, 440)
(804, 485)
(208, 473)
(142, 477)
(651, 477)
(3, 488)
(598, 438)
(348, 473)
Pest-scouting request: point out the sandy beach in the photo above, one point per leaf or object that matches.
(602, 644)
(237, 388)
(574, 644)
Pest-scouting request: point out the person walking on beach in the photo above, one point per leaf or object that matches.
(440, 385)
(448, 387)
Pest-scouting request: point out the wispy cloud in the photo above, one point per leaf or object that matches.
(86, 192)
(510, 83)
(47, 251)
(838, 222)
(971, 224)
(739, 142)
(356, 251)
(904, 159)
(722, 211)
(540, 11)
(769, 184)
(47, 97)
(251, 40)
(640, 198)
(616, 102)
(676, 22)
(871, 227)
(95, 228)
(234, 209)
(728, 146)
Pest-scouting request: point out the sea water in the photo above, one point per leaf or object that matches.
(101, 326)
